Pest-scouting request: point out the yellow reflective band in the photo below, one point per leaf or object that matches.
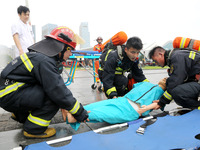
(61, 28)
(146, 80)
(117, 72)
(192, 55)
(75, 108)
(113, 89)
(182, 44)
(107, 54)
(199, 108)
(27, 62)
(199, 48)
(101, 68)
(97, 47)
(119, 69)
(38, 121)
(10, 88)
(167, 95)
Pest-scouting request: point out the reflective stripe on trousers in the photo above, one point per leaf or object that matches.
(39, 121)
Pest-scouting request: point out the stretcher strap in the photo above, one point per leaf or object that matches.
(152, 119)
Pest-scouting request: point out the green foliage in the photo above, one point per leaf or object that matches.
(153, 67)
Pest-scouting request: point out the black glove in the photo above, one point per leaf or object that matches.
(81, 115)
(130, 76)
(112, 95)
(162, 102)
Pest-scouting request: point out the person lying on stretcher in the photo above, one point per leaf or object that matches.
(137, 102)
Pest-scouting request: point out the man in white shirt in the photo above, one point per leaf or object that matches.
(22, 31)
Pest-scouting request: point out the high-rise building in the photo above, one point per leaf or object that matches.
(85, 34)
(46, 29)
(6, 55)
(34, 32)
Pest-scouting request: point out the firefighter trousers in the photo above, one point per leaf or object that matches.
(186, 95)
(31, 107)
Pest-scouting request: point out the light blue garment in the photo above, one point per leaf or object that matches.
(111, 111)
(119, 110)
(146, 92)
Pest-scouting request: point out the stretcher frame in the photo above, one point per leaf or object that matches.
(79, 56)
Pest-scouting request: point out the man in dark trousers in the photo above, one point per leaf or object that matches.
(116, 62)
(182, 84)
(33, 90)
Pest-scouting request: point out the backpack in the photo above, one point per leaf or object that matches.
(115, 43)
(182, 43)
(107, 50)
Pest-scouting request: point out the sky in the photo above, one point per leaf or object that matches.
(151, 20)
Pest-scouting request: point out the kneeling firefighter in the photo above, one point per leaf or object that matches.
(116, 61)
(33, 90)
(183, 84)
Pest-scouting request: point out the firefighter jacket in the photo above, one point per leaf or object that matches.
(184, 65)
(115, 66)
(97, 48)
(36, 68)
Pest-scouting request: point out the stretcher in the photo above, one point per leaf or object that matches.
(77, 58)
(166, 133)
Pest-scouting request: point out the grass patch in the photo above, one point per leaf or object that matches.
(144, 68)
(153, 67)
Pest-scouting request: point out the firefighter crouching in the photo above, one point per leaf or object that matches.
(182, 84)
(114, 63)
(33, 90)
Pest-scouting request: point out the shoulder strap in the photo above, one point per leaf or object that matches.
(191, 44)
(119, 52)
(169, 56)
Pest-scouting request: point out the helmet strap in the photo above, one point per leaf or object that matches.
(62, 55)
(63, 52)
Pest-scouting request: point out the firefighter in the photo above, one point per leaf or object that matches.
(182, 84)
(97, 48)
(116, 62)
(33, 90)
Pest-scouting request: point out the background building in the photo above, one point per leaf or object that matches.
(6, 55)
(166, 45)
(85, 34)
(34, 32)
(46, 29)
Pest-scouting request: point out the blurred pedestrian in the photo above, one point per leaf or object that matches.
(22, 31)
(97, 47)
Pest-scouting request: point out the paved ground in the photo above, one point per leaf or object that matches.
(81, 90)
(11, 131)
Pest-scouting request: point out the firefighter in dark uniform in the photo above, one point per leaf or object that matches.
(182, 84)
(33, 90)
(114, 63)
